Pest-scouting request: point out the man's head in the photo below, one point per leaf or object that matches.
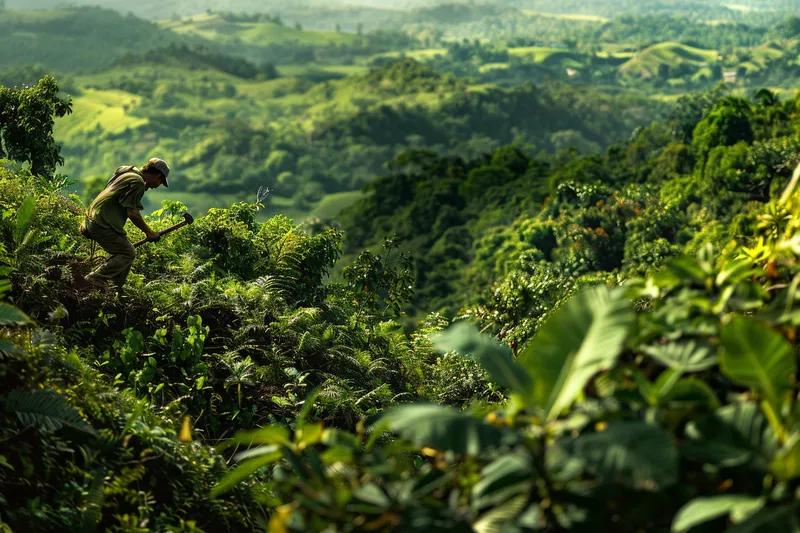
(155, 173)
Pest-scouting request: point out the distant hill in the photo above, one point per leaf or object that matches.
(646, 63)
(617, 7)
(229, 29)
(76, 39)
(166, 8)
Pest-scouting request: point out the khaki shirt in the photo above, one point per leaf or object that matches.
(123, 191)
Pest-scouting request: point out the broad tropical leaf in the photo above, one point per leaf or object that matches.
(758, 357)
(373, 497)
(784, 519)
(45, 409)
(688, 269)
(24, 218)
(495, 358)
(786, 465)
(495, 520)
(635, 454)
(502, 480)
(11, 316)
(691, 392)
(581, 339)
(701, 510)
(244, 470)
(444, 428)
(278, 435)
(5, 285)
(94, 502)
(689, 356)
(734, 435)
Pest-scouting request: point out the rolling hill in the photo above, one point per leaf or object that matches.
(69, 40)
(229, 135)
(227, 30)
(646, 63)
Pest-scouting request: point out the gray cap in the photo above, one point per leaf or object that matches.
(161, 166)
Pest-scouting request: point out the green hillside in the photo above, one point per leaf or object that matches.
(495, 339)
(303, 139)
(225, 29)
(75, 39)
(646, 63)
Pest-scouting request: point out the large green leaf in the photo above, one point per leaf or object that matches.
(11, 316)
(786, 464)
(494, 520)
(692, 393)
(701, 510)
(245, 469)
(275, 435)
(758, 357)
(46, 409)
(688, 356)
(5, 286)
(635, 454)
(784, 519)
(734, 435)
(494, 357)
(24, 218)
(505, 478)
(444, 428)
(581, 339)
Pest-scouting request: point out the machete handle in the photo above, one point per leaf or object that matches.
(187, 219)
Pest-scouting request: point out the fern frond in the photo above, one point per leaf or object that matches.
(94, 502)
(373, 393)
(46, 409)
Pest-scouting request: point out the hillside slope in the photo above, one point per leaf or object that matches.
(672, 55)
(225, 29)
(81, 39)
(303, 140)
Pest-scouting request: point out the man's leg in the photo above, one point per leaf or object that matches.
(118, 266)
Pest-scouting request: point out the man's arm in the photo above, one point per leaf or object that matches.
(138, 221)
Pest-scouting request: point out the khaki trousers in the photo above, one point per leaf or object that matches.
(122, 253)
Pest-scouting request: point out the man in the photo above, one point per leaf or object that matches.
(120, 201)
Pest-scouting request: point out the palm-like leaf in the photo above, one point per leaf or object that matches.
(689, 356)
(735, 435)
(581, 339)
(45, 409)
(760, 358)
(11, 316)
(634, 454)
(444, 428)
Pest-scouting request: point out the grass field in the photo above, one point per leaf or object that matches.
(105, 110)
(646, 63)
(313, 71)
(333, 204)
(489, 67)
(577, 17)
(418, 55)
(536, 54)
(215, 27)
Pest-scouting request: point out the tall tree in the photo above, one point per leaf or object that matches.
(27, 117)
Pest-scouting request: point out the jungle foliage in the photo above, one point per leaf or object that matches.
(540, 223)
(614, 347)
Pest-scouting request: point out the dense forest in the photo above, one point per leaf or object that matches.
(557, 294)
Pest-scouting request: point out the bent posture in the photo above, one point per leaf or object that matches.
(120, 201)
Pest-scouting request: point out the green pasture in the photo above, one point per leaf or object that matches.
(647, 62)
(577, 17)
(214, 27)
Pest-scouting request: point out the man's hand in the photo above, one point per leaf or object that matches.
(138, 221)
